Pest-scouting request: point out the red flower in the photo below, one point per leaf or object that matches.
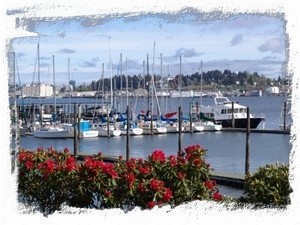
(158, 156)
(66, 150)
(217, 196)
(210, 184)
(131, 164)
(49, 166)
(144, 170)
(29, 165)
(181, 175)
(167, 195)
(70, 163)
(197, 162)
(151, 204)
(22, 156)
(141, 187)
(107, 193)
(156, 184)
(172, 160)
(130, 179)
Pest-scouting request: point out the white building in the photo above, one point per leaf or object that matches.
(35, 90)
(273, 90)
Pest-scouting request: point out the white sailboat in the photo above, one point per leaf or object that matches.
(51, 129)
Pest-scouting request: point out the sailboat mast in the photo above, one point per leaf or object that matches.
(69, 86)
(180, 80)
(39, 78)
(54, 88)
(126, 83)
(121, 83)
(111, 76)
(201, 74)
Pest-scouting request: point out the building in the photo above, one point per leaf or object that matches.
(272, 90)
(36, 90)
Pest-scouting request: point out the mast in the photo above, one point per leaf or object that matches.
(111, 76)
(54, 88)
(121, 83)
(69, 85)
(201, 74)
(39, 78)
(180, 80)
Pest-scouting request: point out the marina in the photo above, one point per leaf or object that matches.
(225, 148)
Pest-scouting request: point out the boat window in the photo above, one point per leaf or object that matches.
(223, 111)
(229, 111)
(241, 110)
(236, 110)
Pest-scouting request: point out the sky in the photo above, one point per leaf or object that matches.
(241, 42)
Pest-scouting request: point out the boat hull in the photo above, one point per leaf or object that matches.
(240, 123)
(51, 134)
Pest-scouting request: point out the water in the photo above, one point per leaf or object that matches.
(225, 151)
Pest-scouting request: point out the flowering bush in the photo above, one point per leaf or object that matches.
(50, 178)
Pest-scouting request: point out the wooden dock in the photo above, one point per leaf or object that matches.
(256, 130)
(228, 179)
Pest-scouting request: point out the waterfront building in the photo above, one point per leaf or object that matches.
(37, 90)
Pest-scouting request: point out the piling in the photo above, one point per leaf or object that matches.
(232, 115)
(247, 163)
(180, 131)
(191, 125)
(127, 134)
(75, 132)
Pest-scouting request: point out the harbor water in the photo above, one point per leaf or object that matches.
(225, 150)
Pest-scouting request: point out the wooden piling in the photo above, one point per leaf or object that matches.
(180, 131)
(191, 125)
(127, 134)
(232, 115)
(247, 160)
(75, 132)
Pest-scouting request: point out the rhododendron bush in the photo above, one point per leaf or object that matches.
(49, 178)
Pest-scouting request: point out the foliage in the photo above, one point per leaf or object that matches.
(49, 178)
(268, 186)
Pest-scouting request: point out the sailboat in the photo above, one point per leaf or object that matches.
(51, 129)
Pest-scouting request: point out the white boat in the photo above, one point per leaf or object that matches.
(51, 131)
(157, 128)
(210, 126)
(104, 131)
(172, 127)
(221, 113)
(195, 126)
(133, 130)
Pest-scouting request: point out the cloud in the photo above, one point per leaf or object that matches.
(66, 51)
(87, 64)
(273, 45)
(237, 39)
(182, 52)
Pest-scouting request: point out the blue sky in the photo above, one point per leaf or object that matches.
(254, 43)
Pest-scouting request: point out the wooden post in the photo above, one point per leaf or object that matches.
(247, 161)
(41, 115)
(151, 124)
(232, 115)
(179, 132)
(108, 123)
(75, 133)
(284, 115)
(191, 125)
(127, 134)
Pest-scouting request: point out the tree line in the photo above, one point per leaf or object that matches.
(215, 78)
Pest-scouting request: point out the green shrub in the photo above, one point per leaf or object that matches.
(269, 186)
